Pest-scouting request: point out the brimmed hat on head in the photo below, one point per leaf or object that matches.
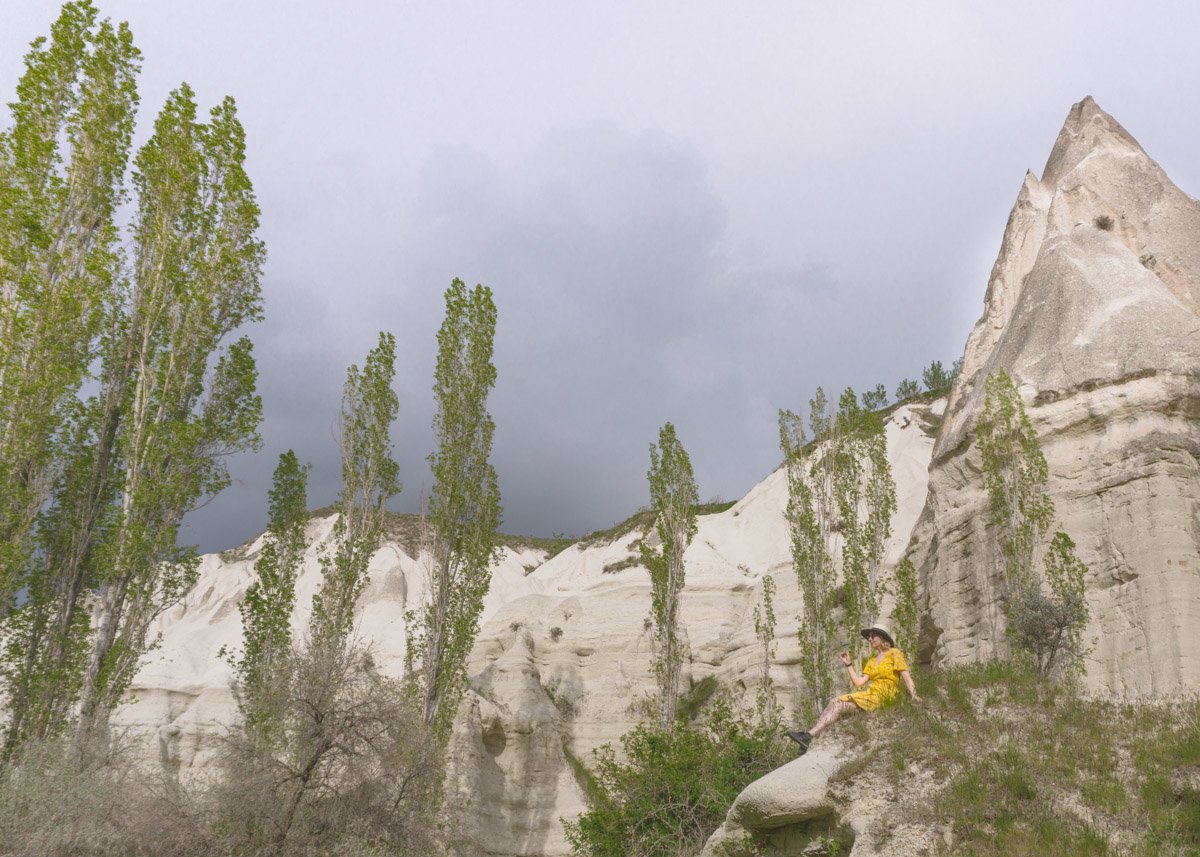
(881, 631)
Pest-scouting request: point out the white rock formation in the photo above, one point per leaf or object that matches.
(1094, 309)
(562, 663)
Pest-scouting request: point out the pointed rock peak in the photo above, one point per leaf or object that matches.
(1087, 128)
(1031, 188)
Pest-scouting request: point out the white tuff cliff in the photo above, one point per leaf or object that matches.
(1093, 308)
(563, 660)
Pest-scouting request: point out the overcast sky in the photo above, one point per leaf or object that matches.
(688, 211)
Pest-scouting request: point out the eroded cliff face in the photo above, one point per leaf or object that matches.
(1094, 309)
(562, 664)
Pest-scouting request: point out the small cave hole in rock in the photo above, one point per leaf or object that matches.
(493, 739)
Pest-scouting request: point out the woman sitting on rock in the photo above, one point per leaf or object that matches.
(882, 672)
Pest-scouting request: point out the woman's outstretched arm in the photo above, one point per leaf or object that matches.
(908, 682)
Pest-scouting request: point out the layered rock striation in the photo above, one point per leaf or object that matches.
(1093, 308)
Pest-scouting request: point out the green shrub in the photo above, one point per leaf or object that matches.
(674, 787)
(696, 698)
(907, 389)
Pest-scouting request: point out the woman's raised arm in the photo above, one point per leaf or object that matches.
(855, 679)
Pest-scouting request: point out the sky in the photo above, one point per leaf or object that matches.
(693, 212)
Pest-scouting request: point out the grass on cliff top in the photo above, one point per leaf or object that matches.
(1023, 766)
(643, 519)
(411, 531)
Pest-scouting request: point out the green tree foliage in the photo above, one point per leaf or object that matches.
(370, 477)
(766, 704)
(93, 491)
(673, 788)
(1015, 474)
(195, 279)
(463, 509)
(673, 498)
(810, 516)
(62, 164)
(266, 609)
(875, 400)
(1047, 627)
(907, 389)
(936, 378)
(905, 614)
(866, 534)
(841, 492)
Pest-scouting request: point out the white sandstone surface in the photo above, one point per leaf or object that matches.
(1094, 309)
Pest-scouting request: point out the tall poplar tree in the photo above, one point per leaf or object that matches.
(866, 502)
(764, 629)
(62, 165)
(1022, 513)
(195, 279)
(370, 477)
(905, 614)
(463, 509)
(810, 515)
(263, 664)
(1015, 474)
(93, 491)
(673, 499)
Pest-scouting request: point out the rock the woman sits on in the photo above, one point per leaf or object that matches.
(883, 673)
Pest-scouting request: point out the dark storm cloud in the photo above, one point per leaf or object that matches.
(693, 212)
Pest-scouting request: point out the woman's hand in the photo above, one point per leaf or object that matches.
(845, 656)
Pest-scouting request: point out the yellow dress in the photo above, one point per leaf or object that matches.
(885, 681)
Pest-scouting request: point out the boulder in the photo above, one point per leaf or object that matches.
(779, 805)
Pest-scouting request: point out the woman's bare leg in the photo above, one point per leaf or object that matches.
(835, 709)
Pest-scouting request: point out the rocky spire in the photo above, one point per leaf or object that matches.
(1086, 129)
(1093, 307)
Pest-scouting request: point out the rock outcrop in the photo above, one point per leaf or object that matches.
(783, 811)
(1094, 309)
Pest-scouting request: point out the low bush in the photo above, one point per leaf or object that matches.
(349, 767)
(674, 786)
(57, 802)
(344, 767)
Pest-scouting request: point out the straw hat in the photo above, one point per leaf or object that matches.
(881, 630)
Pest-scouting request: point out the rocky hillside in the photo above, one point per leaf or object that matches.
(993, 761)
(1093, 307)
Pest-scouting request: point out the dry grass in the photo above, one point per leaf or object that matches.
(349, 770)
(53, 804)
(1020, 766)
